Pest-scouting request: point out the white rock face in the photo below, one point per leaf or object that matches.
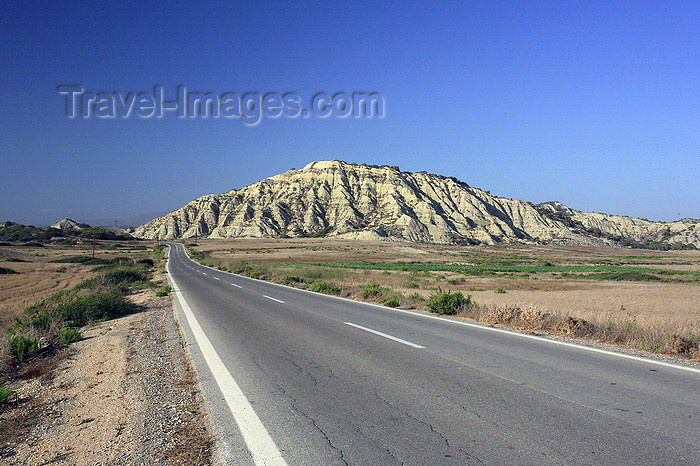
(69, 224)
(334, 198)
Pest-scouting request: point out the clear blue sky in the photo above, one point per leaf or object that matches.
(594, 104)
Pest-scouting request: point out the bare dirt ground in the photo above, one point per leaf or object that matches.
(668, 307)
(126, 394)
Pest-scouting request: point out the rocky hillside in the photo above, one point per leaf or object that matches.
(69, 224)
(339, 199)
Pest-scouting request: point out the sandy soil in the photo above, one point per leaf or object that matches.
(124, 395)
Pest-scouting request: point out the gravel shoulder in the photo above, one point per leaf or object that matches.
(126, 394)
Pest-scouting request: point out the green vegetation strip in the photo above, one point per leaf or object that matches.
(592, 272)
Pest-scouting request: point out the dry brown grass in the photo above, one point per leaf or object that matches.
(38, 278)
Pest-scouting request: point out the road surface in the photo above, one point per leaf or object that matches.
(294, 377)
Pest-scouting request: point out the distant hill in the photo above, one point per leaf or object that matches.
(347, 200)
(69, 224)
(18, 233)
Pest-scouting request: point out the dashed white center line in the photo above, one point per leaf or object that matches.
(413, 345)
(274, 299)
(214, 278)
(203, 273)
(237, 286)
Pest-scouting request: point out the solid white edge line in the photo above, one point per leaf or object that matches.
(260, 445)
(274, 299)
(480, 326)
(390, 337)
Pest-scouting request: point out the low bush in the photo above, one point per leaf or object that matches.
(499, 290)
(96, 299)
(391, 302)
(159, 252)
(4, 395)
(95, 307)
(69, 335)
(292, 280)
(444, 302)
(373, 290)
(6, 271)
(411, 285)
(15, 259)
(164, 290)
(125, 276)
(624, 276)
(325, 287)
(87, 260)
(23, 347)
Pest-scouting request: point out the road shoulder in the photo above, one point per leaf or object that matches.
(126, 394)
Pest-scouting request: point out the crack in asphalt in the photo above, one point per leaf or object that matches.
(295, 405)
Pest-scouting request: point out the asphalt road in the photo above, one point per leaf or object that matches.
(301, 378)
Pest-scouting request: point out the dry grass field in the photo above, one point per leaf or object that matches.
(39, 278)
(652, 295)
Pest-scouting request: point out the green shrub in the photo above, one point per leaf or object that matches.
(125, 276)
(40, 321)
(68, 335)
(391, 302)
(15, 259)
(624, 276)
(146, 262)
(292, 280)
(448, 303)
(159, 253)
(411, 285)
(23, 347)
(140, 285)
(87, 260)
(95, 307)
(325, 287)
(416, 297)
(6, 271)
(499, 290)
(373, 290)
(4, 395)
(164, 291)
